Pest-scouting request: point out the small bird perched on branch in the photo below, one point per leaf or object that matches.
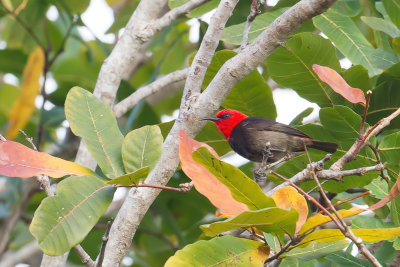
(262, 140)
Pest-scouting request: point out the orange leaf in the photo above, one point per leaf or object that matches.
(288, 197)
(204, 182)
(339, 85)
(25, 104)
(394, 192)
(17, 160)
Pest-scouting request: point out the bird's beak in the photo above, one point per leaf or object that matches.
(210, 118)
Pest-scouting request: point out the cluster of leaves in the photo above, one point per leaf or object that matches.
(365, 32)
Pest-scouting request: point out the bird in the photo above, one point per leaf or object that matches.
(262, 140)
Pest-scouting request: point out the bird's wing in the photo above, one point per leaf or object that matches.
(262, 124)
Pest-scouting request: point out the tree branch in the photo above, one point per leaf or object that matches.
(85, 258)
(122, 107)
(195, 106)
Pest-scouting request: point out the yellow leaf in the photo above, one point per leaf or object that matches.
(288, 197)
(319, 219)
(25, 104)
(368, 235)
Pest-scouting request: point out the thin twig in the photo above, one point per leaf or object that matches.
(309, 198)
(43, 180)
(27, 28)
(283, 250)
(349, 199)
(364, 117)
(104, 240)
(343, 226)
(254, 11)
(378, 160)
(84, 256)
(180, 189)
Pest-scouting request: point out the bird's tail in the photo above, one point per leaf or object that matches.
(325, 146)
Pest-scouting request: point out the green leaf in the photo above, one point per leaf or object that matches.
(349, 8)
(367, 222)
(234, 34)
(269, 220)
(251, 96)
(315, 250)
(12, 61)
(221, 251)
(342, 123)
(343, 32)
(378, 188)
(392, 8)
(385, 98)
(197, 12)
(298, 120)
(142, 147)
(347, 260)
(294, 262)
(292, 67)
(62, 221)
(75, 6)
(131, 178)
(243, 188)
(389, 149)
(379, 24)
(94, 121)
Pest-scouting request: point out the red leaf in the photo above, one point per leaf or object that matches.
(394, 192)
(204, 182)
(339, 85)
(17, 160)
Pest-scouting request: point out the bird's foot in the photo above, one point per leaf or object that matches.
(259, 174)
(266, 152)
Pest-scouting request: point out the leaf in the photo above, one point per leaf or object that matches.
(292, 67)
(315, 250)
(339, 85)
(25, 104)
(378, 188)
(198, 11)
(346, 260)
(383, 25)
(142, 147)
(343, 32)
(294, 262)
(234, 34)
(131, 178)
(17, 160)
(251, 96)
(299, 118)
(63, 221)
(381, 105)
(368, 235)
(288, 197)
(392, 8)
(349, 8)
(221, 251)
(269, 220)
(93, 120)
(242, 188)
(393, 193)
(12, 61)
(204, 182)
(319, 219)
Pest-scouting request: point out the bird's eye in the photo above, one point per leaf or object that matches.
(226, 115)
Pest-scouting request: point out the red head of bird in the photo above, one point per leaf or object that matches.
(226, 120)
